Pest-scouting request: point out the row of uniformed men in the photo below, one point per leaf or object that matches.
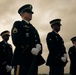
(27, 55)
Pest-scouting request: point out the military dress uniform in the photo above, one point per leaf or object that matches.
(72, 55)
(25, 37)
(56, 49)
(5, 57)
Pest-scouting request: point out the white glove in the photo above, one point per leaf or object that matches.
(8, 68)
(63, 59)
(38, 46)
(35, 51)
(65, 55)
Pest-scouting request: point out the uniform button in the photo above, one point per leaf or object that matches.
(35, 35)
(56, 36)
(50, 39)
(9, 55)
(57, 39)
(9, 52)
(22, 46)
(26, 29)
(3, 45)
(27, 34)
(70, 53)
(3, 50)
(35, 40)
(62, 43)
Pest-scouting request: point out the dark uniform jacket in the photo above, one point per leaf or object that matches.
(56, 49)
(6, 54)
(25, 37)
(72, 56)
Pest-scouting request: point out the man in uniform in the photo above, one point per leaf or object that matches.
(27, 42)
(57, 57)
(72, 55)
(6, 54)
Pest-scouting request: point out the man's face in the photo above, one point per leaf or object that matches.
(74, 42)
(27, 16)
(5, 38)
(56, 28)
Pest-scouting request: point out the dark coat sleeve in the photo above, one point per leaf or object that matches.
(17, 37)
(72, 54)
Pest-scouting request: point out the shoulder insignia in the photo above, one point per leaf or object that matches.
(15, 30)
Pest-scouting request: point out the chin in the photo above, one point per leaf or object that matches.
(30, 19)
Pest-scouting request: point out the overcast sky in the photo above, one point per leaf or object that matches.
(44, 11)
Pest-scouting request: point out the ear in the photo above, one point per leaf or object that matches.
(22, 14)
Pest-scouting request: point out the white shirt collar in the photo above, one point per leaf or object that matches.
(26, 21)
(5, 42)
(56, 32)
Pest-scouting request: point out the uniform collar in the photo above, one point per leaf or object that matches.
(74, 45)
(5, 42)
(26, 21)
(55, 32)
